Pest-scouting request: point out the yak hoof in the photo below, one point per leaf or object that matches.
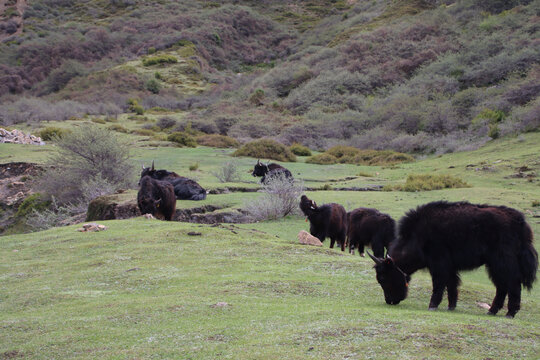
(451, 308)
(362, 255)
(491, 313)
(432, 309)
(509, 316)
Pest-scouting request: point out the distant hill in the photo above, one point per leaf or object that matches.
(417, 76)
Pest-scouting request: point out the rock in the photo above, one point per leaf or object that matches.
(148, 216)
(306, 238)
(11, 200)
(92, 227)
(19, 137)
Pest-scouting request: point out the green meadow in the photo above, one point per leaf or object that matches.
(148, 289)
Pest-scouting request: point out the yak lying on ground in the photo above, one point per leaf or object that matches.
(184, 188)
(267, 171)
(369, 227)
(328, 220)
(156, 197)
(448, 237)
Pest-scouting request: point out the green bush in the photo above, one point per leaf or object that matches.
(98, 121)
(416, 182)
(135, 106)
(160, 59)
(33, 202)
(300, 150)
(52, 133)
(182, 139)
(217, 141)
(194, 167)
(153, 86)
(266, 149)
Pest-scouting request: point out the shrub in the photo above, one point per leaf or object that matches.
(257, 97)
(32, 202)
(280, 198)
(416, 182)
(300, 150)
(153, 86)
(194, 167)
(182, 139)
(166, 122)
(322, 159)
(98, 121)
(160, 59)
(228, 172)
(135, 106)
(217, 141)
(88, 159)
(118, 128)
(266, 149)
(51, 133)
(143, 132)
(352, 155)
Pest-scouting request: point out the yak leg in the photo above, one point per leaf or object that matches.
(514, 298)
(498, 300)
(378, 247)
(332, 242)
(452, 289)
(439, 281)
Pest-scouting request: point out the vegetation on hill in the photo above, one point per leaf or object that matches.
(415, 76)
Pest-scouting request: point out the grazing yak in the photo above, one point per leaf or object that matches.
(267, 171)
(447, 237)
(328, 220)
(369, 227)
(156, 197)
(184, 188)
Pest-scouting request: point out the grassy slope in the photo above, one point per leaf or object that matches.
(70, 295)
(146, 289)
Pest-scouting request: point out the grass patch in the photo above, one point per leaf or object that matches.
(427, 182)
(266, 149)
(160, 59)
(352, 155)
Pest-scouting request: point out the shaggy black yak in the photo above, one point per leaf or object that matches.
(449, 237)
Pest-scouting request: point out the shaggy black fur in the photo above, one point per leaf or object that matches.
(328, 220)
(448, 237)
(184, 188)
(369, 227)
(267, 171)
(157, 198)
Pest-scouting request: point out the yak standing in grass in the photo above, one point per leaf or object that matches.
(448, 237)
(184, 188)
(267, 171)
(369, 227)
(328, 220)
(157, 198)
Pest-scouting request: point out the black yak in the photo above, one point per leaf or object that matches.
(448, 237)
(369, 227)
(184, 188)
(267, 171)
(157, 198)
(328, 220)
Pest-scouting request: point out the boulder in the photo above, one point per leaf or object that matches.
(92, 227)
(306, 238)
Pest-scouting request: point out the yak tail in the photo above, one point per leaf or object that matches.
(528, 260)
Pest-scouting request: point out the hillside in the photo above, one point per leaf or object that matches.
(416, 76)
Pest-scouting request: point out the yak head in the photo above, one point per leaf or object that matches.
(148, 205)
(260, 169)
(307, 206)
(148, 171)
(392, 279)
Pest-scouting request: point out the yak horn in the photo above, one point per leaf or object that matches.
(152, 165)
(258, 161)
(376, 259)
